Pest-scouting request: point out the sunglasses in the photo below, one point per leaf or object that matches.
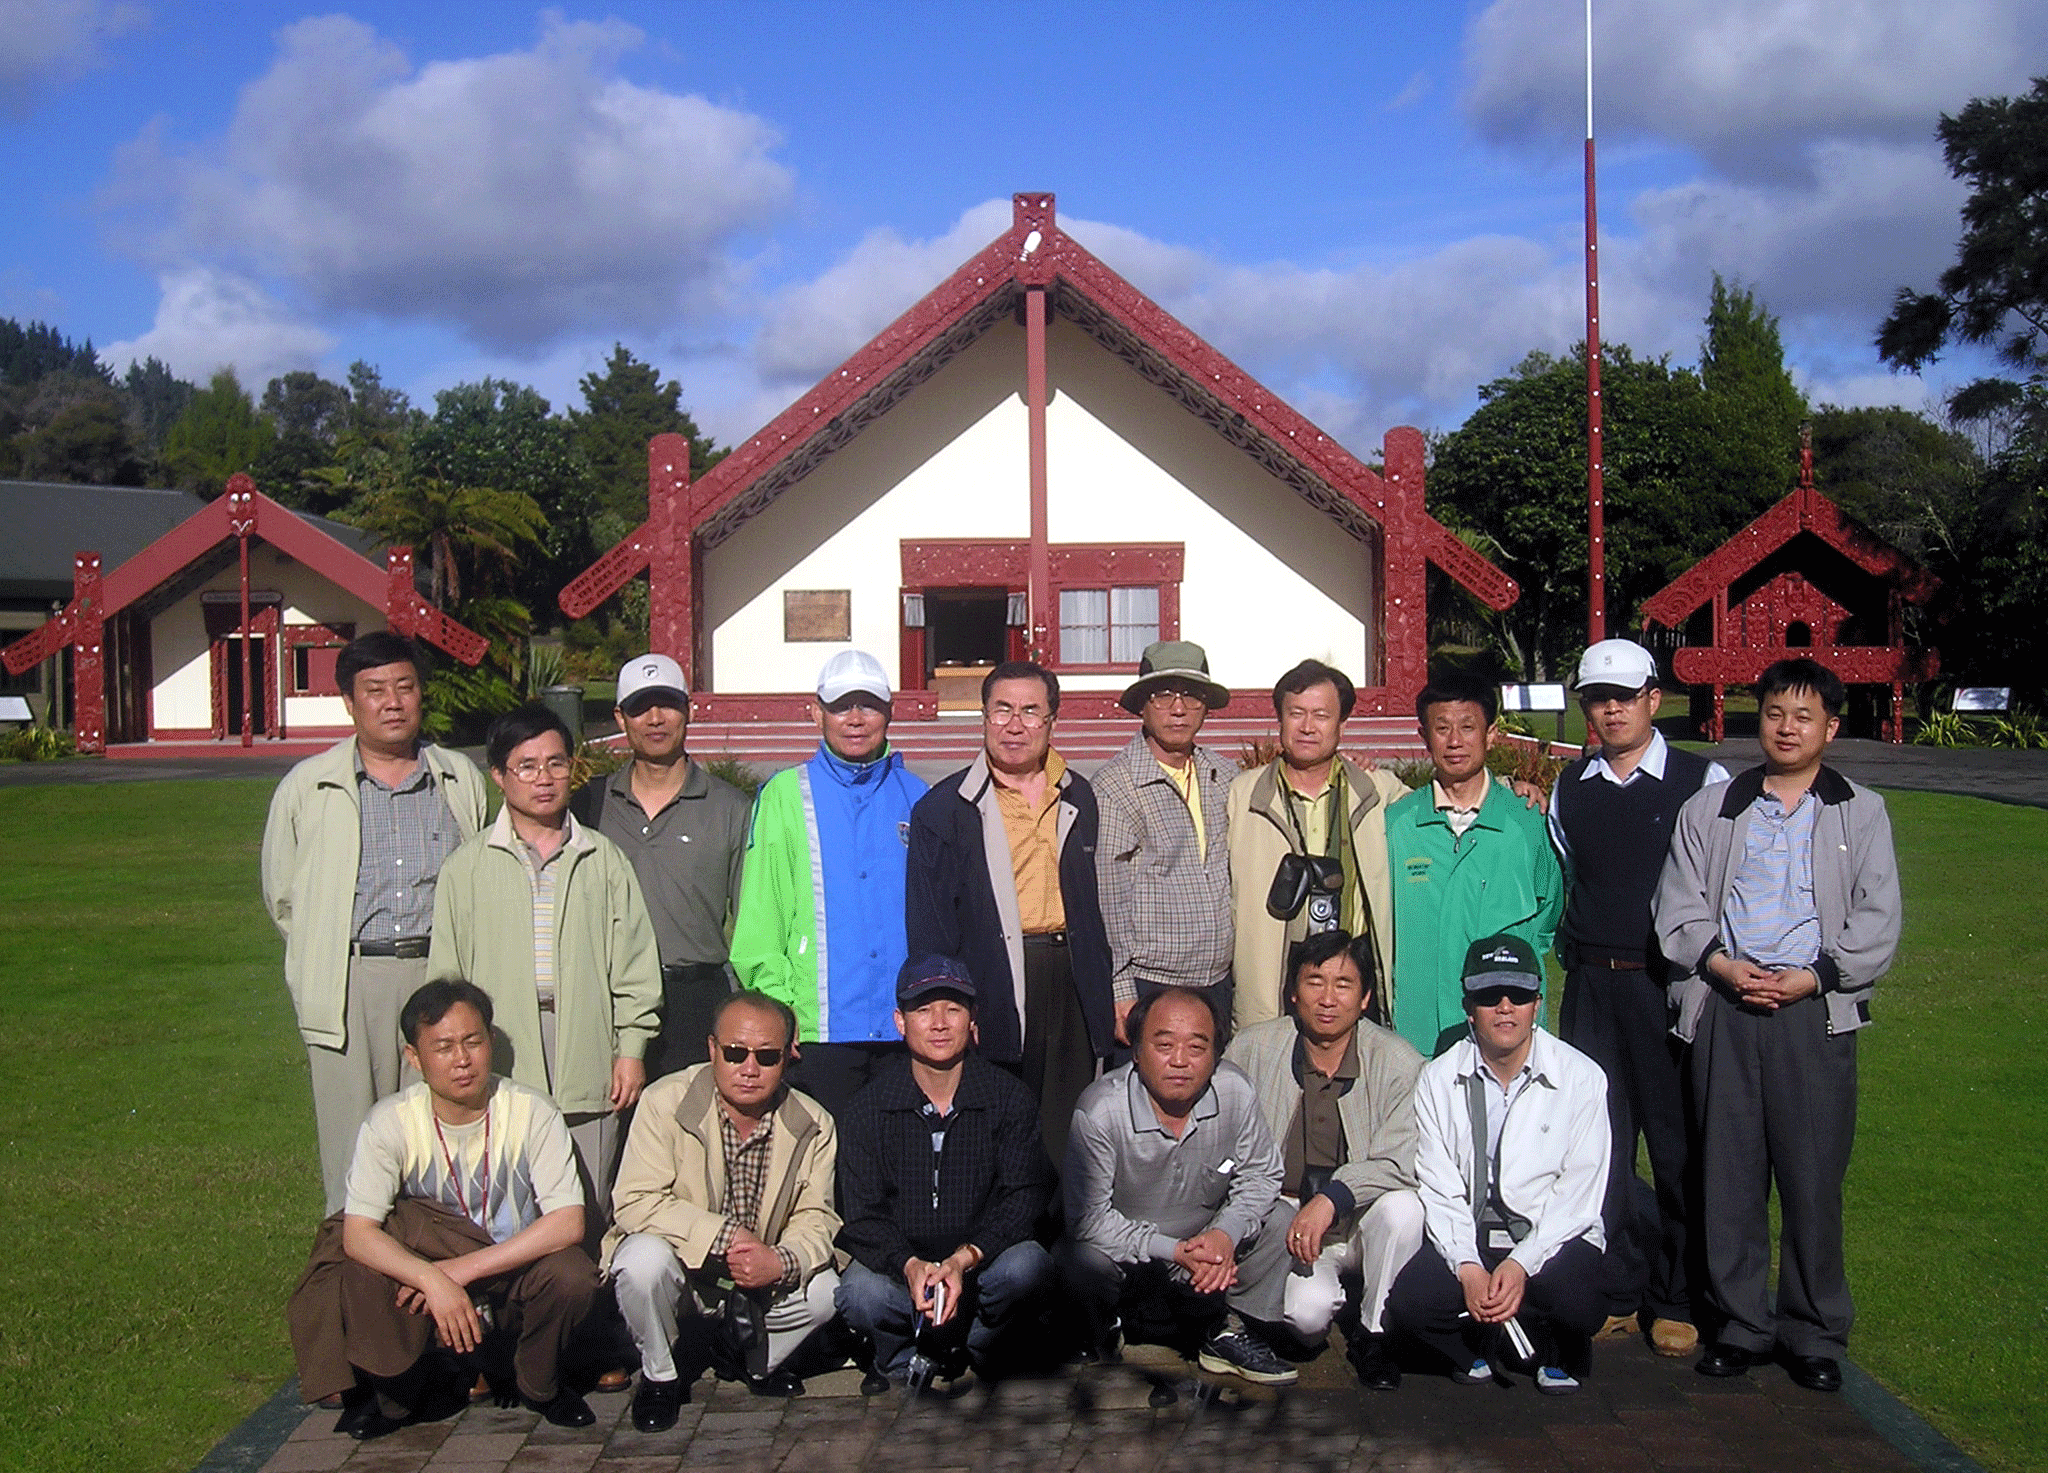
(736, 1053)
(1494, 996)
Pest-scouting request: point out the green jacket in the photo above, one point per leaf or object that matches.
(607, 969)
(312, 845)
(1500, 877)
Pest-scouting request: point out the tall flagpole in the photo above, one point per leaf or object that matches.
(1596, 531)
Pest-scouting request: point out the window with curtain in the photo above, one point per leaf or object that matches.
(1107, 626)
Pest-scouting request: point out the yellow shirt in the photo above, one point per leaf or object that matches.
(1035, 850)
(1190, 794)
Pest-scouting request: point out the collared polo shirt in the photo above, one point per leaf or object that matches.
(1315, 1137)
(1460, 819)
(687, 858)
(1187, 782)
(1035, 850)
(405, 833)
(1770, 915)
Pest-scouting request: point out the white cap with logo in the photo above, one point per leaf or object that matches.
(850, 671)
(638, 677)
(1621, 663)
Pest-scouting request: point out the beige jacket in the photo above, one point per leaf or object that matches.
(312, 845)
(1259, 835)
(671, 1179)
(607, 970)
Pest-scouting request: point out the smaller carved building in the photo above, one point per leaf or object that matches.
(1802, 579)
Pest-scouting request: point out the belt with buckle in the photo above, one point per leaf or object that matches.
(547, 1002)
(407, 948)
(1045, 938)
(1613, 964)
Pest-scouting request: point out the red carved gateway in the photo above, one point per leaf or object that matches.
(240, 514)
(1802, 579)
(1032, 273)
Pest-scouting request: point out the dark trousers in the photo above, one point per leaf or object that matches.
(833, 1073)
(1776, 1095)
(345, 1318)
(1059, 1060)
(690, 994)
(1149, 1300)
(1562, 1306)
(1620, 1020)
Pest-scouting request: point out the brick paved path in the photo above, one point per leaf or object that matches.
(1638, 1412)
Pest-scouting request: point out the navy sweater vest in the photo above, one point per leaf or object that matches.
(1619, 837)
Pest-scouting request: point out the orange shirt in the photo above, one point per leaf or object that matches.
(1035, 850)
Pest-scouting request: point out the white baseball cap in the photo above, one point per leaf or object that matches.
(638, 677)
(850, 671)
(1621, 663)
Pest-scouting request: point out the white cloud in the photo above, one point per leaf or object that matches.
(1747, 84)
(45, 43)
(516, 197)
(209, 319)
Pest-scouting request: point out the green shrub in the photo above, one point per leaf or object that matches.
(1945, 729)
(2021, 729)
(36, 744)
(729, 768)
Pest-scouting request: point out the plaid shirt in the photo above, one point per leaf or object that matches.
(746, 1185)
(1165, 903)
(405, 833)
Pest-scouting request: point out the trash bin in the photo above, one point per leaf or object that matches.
(566, 701)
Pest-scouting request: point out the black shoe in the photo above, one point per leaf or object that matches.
(1239, 1350)
(874, 1383)
(566, 1410)
(1726, 1360)
(365, 1423)
(777, 1382)
(1814, 1372)
(657, 1404)
(1376, 1369)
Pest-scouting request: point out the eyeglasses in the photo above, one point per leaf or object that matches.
(529, 769)
(1521, 997)
(1167, 699)
(1029, 717)
(736, 1053)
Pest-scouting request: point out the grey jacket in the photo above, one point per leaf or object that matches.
(1855, 889)
(1378, 1111)
(1165, 903)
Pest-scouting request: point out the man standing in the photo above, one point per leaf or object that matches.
(1002, 876)
(1170, 1182)
(1469, 860)
(1338, 1093)
(1611, 816)
(727, 1180)
(944, 1178)
(351, 851)
(547, 918)
(821, 901)
(1327, 815)
(463, 1210)
(685, 833)
(1163, 858)
(1780, 898)
(1512, 1159)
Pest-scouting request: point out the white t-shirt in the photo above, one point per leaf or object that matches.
(404, 1151)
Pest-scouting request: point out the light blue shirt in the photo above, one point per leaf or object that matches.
(1770, 916)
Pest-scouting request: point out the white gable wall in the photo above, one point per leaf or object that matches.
(1267, 579)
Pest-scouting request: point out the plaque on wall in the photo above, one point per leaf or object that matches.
(817, 615)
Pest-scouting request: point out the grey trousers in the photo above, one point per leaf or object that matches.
(350, 1079)
(1776, 1096)
(655, 1293)
(596, 1140)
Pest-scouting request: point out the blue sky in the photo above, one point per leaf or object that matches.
(1375, 207)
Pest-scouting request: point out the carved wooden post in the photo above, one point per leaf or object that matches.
(671, 567)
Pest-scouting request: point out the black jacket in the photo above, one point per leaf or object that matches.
(950, 906)
(993, 1178)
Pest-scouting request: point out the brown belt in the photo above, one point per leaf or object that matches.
(1613, 964)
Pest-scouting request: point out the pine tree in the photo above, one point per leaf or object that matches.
(219, 433)
(1753, 408)
(625, 406)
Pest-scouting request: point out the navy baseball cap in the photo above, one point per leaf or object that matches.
(933, 976)
(1502, 961)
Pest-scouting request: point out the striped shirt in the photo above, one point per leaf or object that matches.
(1770, 916)
(540, 879)
(405, 834)
(746, 1190)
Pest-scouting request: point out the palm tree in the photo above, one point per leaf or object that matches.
(476, 526)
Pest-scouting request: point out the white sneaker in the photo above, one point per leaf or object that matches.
(1552, 1381)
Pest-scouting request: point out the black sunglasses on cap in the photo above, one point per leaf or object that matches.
(1494, 996)
(736, 1053)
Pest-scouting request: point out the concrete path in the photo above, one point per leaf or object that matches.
(1638, 1412)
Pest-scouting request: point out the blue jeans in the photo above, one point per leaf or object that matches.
(878, 1305)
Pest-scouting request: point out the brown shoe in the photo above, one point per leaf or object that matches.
(1618, 1327)
(613, 1381)
(1673, 1337)
(481, 1392)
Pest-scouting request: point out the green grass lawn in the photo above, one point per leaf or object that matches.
(158, 1168)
